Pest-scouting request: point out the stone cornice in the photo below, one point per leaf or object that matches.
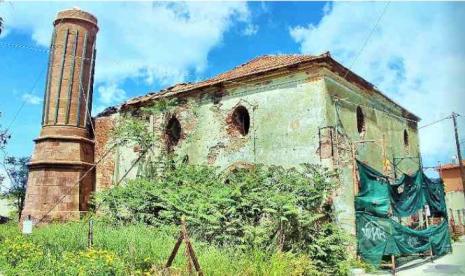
(58, 163)
(64, 138)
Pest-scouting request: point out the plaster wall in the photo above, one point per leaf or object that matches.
(452, 179)
(383, 138)
(456, 206)
(292, 121)
(285, 115)
(284, 118)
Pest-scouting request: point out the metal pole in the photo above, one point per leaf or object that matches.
(459, 154)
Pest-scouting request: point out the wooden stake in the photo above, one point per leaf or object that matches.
(190, 253)
(189, 262)
(175, 251)
(354, 170)
(431, 247)
(393, 260)
(190, 249)
(383, 146)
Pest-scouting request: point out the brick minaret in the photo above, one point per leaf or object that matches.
(60, 175)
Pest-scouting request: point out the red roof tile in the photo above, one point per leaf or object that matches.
(449, 166)
(257, 65)
(262, 64)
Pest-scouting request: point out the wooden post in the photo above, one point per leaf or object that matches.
(336, 134)
(354, 170)
(190, 249)
(189, 262)
(175, 251)
(190, 253)
(393, 260)
(429, 238)
(90, 234)
(459, 154)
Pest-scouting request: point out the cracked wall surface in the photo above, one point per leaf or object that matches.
(381, 142)
(292, 121)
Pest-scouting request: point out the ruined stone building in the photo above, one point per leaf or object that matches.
(276, 109)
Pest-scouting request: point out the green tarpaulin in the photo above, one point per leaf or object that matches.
(411, 193)
(373, 196)
(377, 237)
(405, 197)
(378, 234)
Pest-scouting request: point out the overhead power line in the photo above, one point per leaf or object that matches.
(22, 46)
(367, 39)
(435, 122)
(15, 116)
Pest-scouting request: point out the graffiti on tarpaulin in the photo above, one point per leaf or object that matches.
(413, 241)
(372, 231)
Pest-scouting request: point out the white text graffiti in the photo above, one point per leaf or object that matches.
(373, 232)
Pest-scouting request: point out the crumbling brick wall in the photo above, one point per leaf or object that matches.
(105, 169)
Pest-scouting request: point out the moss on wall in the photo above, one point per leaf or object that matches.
(294, 118)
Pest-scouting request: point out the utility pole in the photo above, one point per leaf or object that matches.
(459, 154)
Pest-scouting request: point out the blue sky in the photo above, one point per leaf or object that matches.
(416, 54)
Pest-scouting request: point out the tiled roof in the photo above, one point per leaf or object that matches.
(264, 63)
(449, 166)
(257, 65)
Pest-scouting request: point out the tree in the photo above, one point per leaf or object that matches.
(4, 136)
(17, 171)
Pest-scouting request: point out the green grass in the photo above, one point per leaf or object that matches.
(137, 248)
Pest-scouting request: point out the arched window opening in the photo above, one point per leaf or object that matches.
(360, 121)
(406, 139)
(173, 133)
(240, 120)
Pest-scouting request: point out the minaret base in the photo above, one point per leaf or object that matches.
(58, 193)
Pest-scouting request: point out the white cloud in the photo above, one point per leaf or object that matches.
(250, 29)
(31, 99)
(153, 41)
(110, 94)
(416, 56)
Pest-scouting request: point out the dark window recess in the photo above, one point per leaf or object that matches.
(173, 133)
(360, 120)
(241, 120)
(406, 138)
(216, 97)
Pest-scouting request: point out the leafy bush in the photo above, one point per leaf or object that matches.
(263, 208)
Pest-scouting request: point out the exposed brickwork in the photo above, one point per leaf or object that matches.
(256, 69)
(46, 188)
(70, 72)
(106, 168)
(60, 172)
